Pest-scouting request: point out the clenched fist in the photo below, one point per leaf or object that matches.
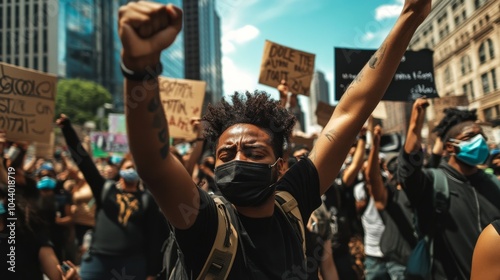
(145, 29)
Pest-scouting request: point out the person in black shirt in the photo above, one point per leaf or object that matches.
(129, 229)
(248, 133)
(474, 199)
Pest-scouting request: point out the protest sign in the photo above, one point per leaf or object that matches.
(27, 101)
(283, 63)
(323, 113)
(45, 150)
(379, 112)
(116, 123)
(444, 102)
(181, 100)
(414, 77)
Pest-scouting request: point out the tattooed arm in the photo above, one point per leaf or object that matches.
(145, 29)
(364, 93)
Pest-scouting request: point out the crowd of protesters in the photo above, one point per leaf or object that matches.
(364, 211)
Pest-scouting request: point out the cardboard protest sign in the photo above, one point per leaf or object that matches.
(379, 112)
(323, 113)
(116, 123)
(45, 150)
(414, 77)
(448, 102)
(27, 101)
(181, 100)
(283, 63)
(301, 140)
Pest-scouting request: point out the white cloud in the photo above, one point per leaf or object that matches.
(242, 35)
(369, 36)
(238, 36)
(227, 47)
(389, 10)
(236, 79)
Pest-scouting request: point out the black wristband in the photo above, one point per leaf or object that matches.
(146, 74)
(362, 137)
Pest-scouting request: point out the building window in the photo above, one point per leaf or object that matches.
(494, 79)
(45, 64)
(468, 90)
(486, 51)
(465, 65)
(1, 17)
(478, 3)
(448, 76)
(482, 53)
(485, 83)
(491, 113)
(491, 48)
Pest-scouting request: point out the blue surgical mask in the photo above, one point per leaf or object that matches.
(473, 151)
(129, 175)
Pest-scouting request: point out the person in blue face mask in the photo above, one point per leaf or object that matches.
(474, 199)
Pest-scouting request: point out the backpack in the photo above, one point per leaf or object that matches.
(420, 261)
(223, 252)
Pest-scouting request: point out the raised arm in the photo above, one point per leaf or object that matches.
(145, 29)
(413, 141)
(358, 158)
(373, 175)
(364, 93)
(81, 157)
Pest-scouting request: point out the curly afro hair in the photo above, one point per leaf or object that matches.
(257, 109)
(453, 116)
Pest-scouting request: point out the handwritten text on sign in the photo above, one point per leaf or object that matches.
(182, 100)
(26, 103)
(283, 63)
(414, 77)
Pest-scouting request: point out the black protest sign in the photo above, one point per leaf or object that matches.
(283, 63)
(414, 77)
(27, 102)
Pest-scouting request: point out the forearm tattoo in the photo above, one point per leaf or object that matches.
(160, 123)
(377, 57)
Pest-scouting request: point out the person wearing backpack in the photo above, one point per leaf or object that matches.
(473, 197)
(248, 134)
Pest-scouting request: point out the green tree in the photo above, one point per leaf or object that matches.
(80, 99)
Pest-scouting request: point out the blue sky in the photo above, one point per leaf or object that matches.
(314, 26)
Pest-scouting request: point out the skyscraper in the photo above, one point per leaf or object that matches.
(28, 34)
(319, 92)
(202, 44)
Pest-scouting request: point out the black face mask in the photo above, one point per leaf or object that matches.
(245, 183)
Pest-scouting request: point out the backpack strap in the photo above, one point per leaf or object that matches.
(223, 252)
(441, 200)
(289, 207)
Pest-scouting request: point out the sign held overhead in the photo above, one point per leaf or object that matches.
(284, 63)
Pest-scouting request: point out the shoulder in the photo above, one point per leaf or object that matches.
(486, 253)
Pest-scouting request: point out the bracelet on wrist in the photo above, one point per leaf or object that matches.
(147, 74)
(362, 137)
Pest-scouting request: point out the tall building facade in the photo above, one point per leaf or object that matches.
(465, 37)
(28, 33)
(73, 39)
(319, 92)
(202, 45)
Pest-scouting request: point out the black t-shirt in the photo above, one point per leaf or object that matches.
(474, 203)
(272, 248)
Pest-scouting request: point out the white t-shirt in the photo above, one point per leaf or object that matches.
(371, 221)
